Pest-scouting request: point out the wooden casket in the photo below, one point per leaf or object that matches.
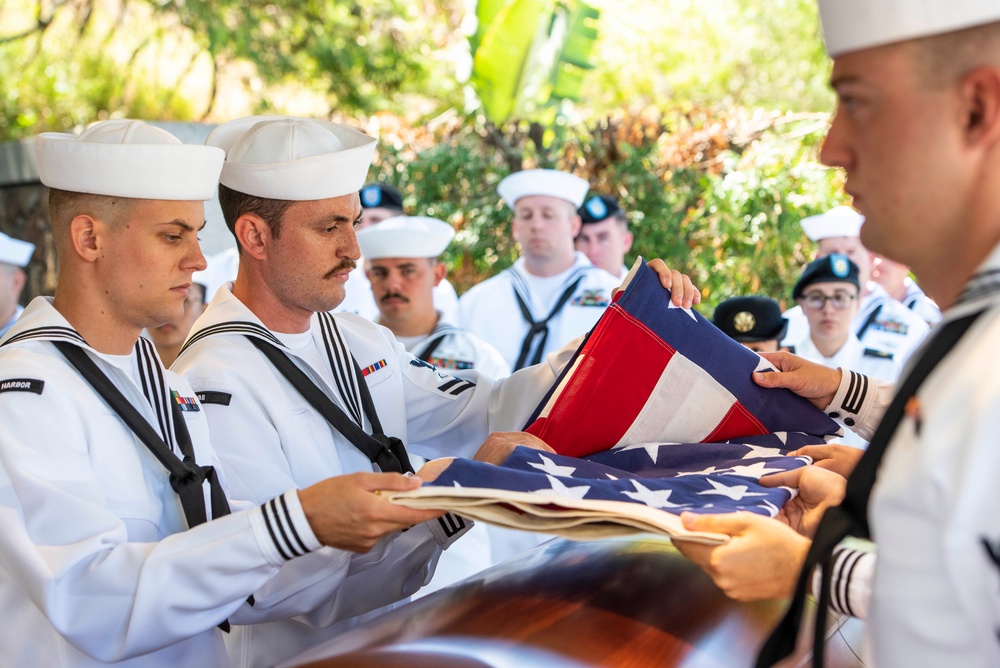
(622, 602)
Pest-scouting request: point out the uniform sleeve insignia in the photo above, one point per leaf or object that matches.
(591, 298)
(22, 385)
(455, 386)
(187, 404)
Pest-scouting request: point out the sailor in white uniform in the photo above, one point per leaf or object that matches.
(14, 256)
(401, 257)
(381, 202)
(403, 267)
(295, 394)
(117, 543)
(552, 294)
(923, 160)
(604, 236)
(881, 322)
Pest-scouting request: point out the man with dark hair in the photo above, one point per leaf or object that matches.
(402, 257)
(604, 236)
(295, 394)
(117, 542)
(917, 132)
(379, 202)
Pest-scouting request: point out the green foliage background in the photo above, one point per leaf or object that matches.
(717, 198)
(702, 116)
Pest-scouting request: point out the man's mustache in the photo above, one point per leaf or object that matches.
(346, 264)
(393, 295)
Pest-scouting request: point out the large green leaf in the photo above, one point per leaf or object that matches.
(499, 63)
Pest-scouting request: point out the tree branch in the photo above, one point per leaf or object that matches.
(495, 138)
(215, 88)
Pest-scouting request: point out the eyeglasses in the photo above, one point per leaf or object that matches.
(817, 301)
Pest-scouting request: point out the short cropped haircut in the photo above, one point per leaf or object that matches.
(235, 204)
(942, 58)
(64, 205)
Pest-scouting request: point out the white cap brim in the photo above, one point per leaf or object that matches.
(405, 236)
(545, 182)
(842, 221)
(853, 25)
(298, 159)
(123, 158)
(14, 251)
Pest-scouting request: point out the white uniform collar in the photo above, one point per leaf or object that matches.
(580, 261)
(521, 278)
(875, 292)
(41, 321)
(912, 289)
(226, 314)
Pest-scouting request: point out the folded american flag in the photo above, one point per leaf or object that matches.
(657, 412)
(649, 373)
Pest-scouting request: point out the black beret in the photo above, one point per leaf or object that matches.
(597, 208)
(751, 319)
(834, 268)
(380, 195)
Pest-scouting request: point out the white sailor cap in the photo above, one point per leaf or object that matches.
(852, 25)
(405, 236)
(300, 159)
(125, 158)
(549, 182)
(842, 221)
(14, 251)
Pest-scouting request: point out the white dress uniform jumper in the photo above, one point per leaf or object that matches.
(506, 312)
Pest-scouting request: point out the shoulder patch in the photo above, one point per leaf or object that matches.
(218, 398)
(879, 354)
(22, 385)
(455, 386)
(419, 362)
